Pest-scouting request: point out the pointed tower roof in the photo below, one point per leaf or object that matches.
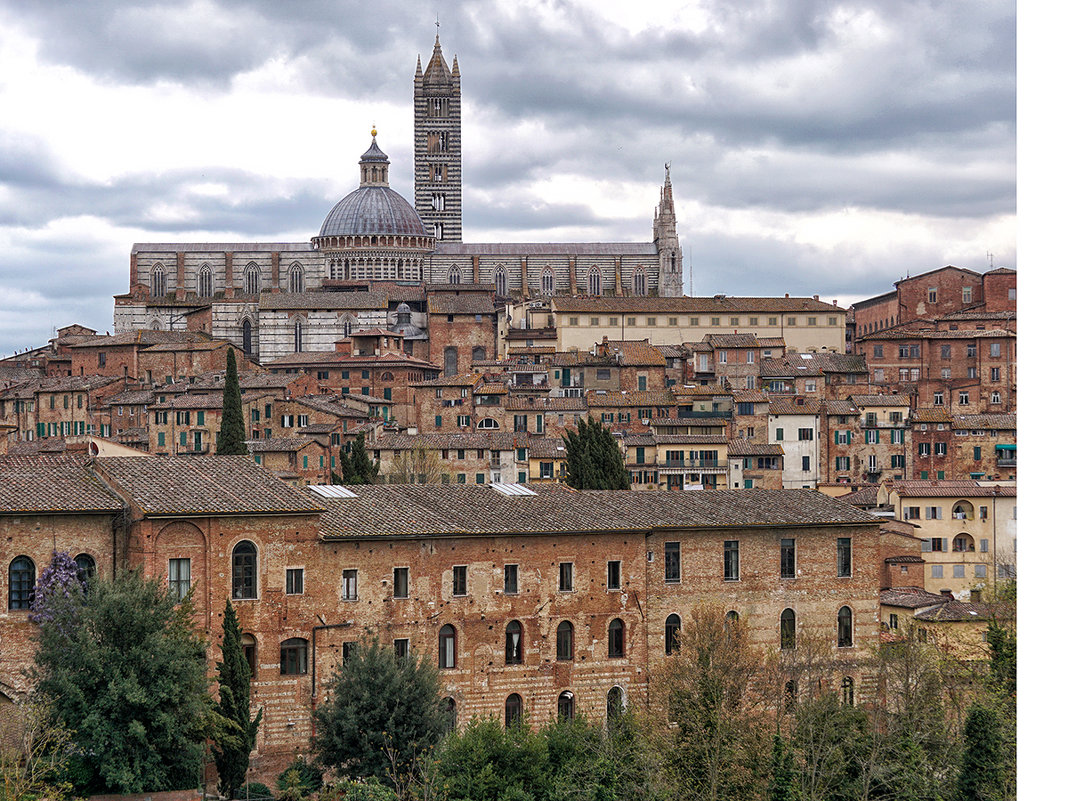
(436, 69)
(374, 153)
(418, 66)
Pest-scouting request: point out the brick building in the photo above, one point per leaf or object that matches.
(546, 600)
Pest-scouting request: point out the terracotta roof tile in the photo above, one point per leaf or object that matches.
(59, 484)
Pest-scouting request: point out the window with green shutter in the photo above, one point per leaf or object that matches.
(161, 439)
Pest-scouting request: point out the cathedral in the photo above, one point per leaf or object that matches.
(375, 251)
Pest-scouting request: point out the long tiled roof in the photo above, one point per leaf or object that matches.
(412, 510)
(910, 597)
(278, 444)
(56, 484)
(544, 249)
(635, 353)
(650, 397)
(473, 440)
(959, 488)
(795, 405)
(210, 485)
(745, 447)
(653, 305)
(880, 400)
(986, 421)
(466, 303)
(953, 611)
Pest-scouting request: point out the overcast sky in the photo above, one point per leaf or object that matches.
(816, 147)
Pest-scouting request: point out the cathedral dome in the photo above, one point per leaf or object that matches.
(373, 210)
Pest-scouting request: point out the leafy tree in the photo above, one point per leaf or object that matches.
(299, 780)
(487, 762)
(123, 669)
(982, 768)
(710, 691)
(594, 461)
(1002, 643)
(835, 743)
(419, 465)
(232, 430)
(234, 744)
(382, 714)
(33, 753)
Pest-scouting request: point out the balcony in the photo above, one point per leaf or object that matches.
(690, 413)
(700, 465)
(1007, 461)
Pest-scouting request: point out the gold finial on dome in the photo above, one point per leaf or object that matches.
(374, 132)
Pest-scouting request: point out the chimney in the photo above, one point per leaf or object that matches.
(787, 294)
(947, 594)
(815, 297)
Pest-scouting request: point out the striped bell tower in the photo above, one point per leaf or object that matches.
(438, 184)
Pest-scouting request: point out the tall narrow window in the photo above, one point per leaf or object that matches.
(790, 695)
(294, 581)
(616, 703)
(298, 336)
(454, 275)
(845, 627)
(86, 567)
(294, 657)
(565, 641)
(348, 585)
(511, 579)
(547, 282)
(787, 559)
(616, 635)
(845, 557)
(178, 577)
(244, 570)
(614, 575)
(248, 647)
(847, 691)
(21, 575)
(672, 627)
(639, 281)
(787, 629)
(594, 281)
(730, 560)
(296, 278)
(565, 706)
(459, 580)
(447, 647)
(450, 361)
(205, 282)
(159, 281)
(513, 710)
(246, 337)
(400, 582)
(500, 280)
(449, 705)
(513, 643)
(252, 280)
(567, 573)
(672, 562)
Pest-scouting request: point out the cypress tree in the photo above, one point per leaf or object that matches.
(232, 748)
(783, 786)
(982, 767)
(364, 470)
(232, 432)
(593, 458)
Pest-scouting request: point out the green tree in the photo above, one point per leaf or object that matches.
(783, 786)
(232, 430)
(982, 774)
(487, 762)
(382, 714)
(594, 461)
(835, 743)
(364, 469)
(1002, 643)
(122, 668)
(234, 744)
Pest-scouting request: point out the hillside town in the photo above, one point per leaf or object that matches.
(839, 476)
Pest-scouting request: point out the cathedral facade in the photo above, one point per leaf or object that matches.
(276, 298)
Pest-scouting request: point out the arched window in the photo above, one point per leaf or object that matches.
(617, 702)
(513, 710)
(730, 624)
(21, 577)
(565, 706)
(615, 639)
(672, 627)
(246, 337)
(789, 695)
(547, 282)
(847, 691)
(347, 325)
(500, 280)
(845, 627)
(488, 424)
(454, 274)
(252, 279)
(963, 543)
(449, 705)
(248, 646)
(513, 643)
(478, 354)
(244, 569)
(159, 281)
(447, 647)
(296, 278)
(86, 567)
(450, 361)
(298, 336)
(294, 657)
(565, 641)
(639, 281)
(787, 629)
(205, 282)
(593, 281)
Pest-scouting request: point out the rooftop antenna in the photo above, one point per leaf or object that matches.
(990, 257)
(691, 271)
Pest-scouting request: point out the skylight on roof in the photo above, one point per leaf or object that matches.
(331, 491)
(513, 489)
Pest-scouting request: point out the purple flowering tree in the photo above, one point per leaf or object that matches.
(60, 580)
